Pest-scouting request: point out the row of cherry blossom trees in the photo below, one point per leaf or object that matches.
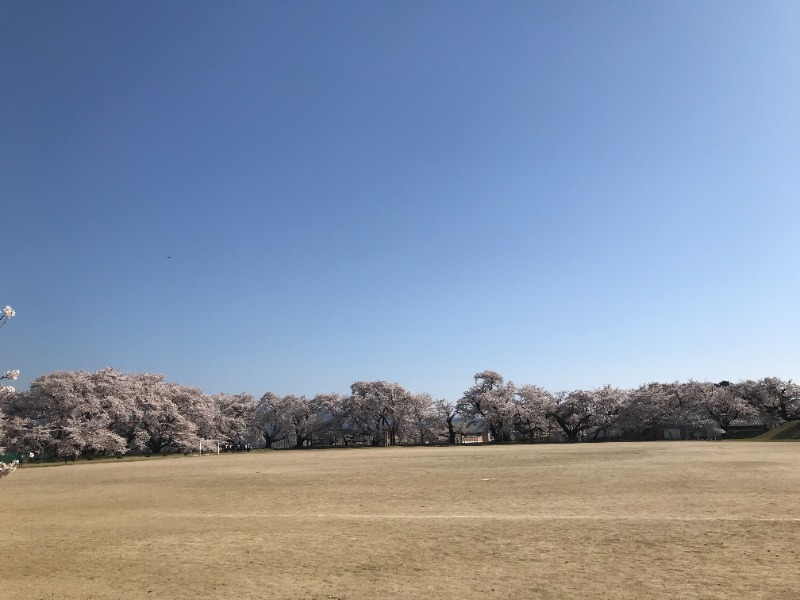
(70, 414)
(530, 412)
(74, 413)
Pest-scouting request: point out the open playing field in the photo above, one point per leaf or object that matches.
(652, 520)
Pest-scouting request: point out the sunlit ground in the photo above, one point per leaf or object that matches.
(651, 520)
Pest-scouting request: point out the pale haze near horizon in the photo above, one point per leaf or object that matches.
(293, 196)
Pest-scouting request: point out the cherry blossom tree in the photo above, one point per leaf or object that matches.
(233, 417)
(645, 410)
(5, 392)
(377, 409)
(655, 405)
(5, 468)
(301, 419)
(117, 391)
(295, 420)
(331, 425)
(160, 421)
(723, 405)
(271, 418)
(776, 400)
(532, 403)
(62, 416)
(610, 405)
(422, 421)
(20, 430)
(218, 416)
(11, 375)
(446, 413)
(8, 468)
(490, 399)
(7, 314)
(689, 408)
(573, 411)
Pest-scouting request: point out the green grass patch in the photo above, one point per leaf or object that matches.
(788, 432)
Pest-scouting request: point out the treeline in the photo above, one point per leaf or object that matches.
(71, 414)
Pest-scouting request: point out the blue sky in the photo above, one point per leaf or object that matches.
(569, 193)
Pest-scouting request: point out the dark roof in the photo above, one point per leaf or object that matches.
(746, 423)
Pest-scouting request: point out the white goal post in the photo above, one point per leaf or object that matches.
(210, 446)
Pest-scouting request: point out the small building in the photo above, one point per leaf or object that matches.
(677, 430)
(744, 428)
(474, 435)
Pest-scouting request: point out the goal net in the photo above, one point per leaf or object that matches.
(210, 446)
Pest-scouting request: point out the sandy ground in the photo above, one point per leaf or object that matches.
(654, 520)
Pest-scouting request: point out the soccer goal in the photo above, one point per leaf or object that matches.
(209, 446)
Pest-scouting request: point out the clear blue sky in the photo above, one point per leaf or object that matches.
(569, 193)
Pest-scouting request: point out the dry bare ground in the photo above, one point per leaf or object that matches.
(655, 520)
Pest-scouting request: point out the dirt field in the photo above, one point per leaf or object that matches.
(655, 520)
